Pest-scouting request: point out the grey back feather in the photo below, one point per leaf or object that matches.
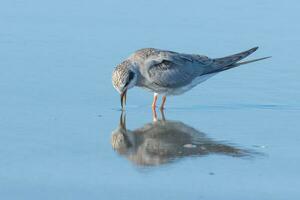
(172, 70)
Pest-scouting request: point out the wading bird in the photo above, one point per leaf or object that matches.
(170, 73)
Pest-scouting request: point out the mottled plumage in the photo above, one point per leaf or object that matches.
(170, 73)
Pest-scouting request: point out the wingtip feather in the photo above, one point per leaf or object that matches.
(254, 49)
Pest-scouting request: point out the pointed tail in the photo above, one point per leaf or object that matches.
(250, 61)
(228, 62)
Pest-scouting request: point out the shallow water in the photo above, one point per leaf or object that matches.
(237, 134)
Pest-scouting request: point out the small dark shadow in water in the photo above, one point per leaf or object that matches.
(166, 141)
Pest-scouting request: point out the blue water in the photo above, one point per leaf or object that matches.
(59, 112)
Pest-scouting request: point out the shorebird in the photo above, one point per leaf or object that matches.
(170, 73)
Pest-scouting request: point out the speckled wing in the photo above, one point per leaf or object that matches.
(173, 70)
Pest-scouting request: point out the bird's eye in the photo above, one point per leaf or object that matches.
(131, 76)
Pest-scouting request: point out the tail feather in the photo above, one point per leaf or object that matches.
(250, 61)
(228, 62)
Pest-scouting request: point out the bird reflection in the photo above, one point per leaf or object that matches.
(164, 141)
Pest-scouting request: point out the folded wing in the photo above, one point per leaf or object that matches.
(172, 70)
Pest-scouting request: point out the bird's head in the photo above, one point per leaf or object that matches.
(124, 78)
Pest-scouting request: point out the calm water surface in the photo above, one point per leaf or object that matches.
(62, 135)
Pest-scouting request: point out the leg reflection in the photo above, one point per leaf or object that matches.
(154, 115)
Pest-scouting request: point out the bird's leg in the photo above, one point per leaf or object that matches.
(154, 101)
(163, 102)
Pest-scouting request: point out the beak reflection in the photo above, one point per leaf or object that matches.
(123, 99)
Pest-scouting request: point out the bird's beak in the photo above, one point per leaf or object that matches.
(123, 98)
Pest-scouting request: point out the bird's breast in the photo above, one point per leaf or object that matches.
(170, 91)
